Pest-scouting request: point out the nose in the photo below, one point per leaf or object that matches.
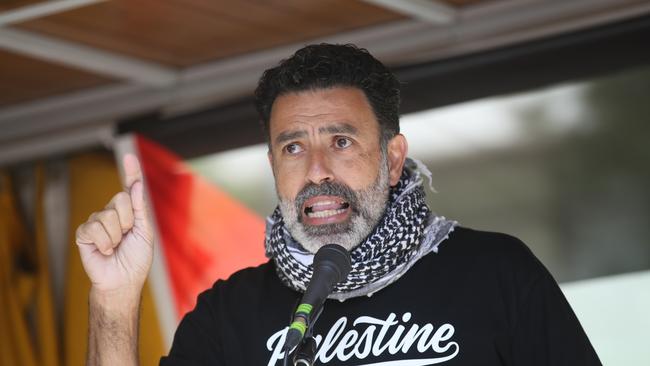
(319, 170)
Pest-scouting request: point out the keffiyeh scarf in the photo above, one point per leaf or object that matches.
(406, 232)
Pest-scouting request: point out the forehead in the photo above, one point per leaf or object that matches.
(317, 109)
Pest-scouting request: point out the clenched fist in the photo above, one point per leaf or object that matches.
(116, 243)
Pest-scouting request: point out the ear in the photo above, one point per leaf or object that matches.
(397, 149)
(269, 155)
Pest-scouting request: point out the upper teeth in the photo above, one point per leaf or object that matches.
(323, 203)
(325, 213)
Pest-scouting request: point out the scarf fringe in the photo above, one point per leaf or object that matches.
(436, 232)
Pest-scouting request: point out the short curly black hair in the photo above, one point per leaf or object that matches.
(323, 66)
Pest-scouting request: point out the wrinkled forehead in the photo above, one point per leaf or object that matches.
(333, 110)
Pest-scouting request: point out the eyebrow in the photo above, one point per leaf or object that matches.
(289, 135)
(330, 129)
(338, 128)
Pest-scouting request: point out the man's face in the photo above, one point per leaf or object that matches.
(331, 176)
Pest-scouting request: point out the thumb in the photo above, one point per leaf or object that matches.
(134, 186)
(140, 212)
(132, 171)
(137, 200)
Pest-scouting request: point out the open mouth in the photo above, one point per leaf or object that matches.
(325, 209)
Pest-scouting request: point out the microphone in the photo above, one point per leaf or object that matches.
(331, 265)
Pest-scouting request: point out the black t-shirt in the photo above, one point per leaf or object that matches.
(483, 299)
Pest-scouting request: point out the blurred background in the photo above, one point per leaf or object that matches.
(531, 114)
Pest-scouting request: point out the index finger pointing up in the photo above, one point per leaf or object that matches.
(132, 171)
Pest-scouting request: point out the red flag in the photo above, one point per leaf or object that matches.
(205, 234)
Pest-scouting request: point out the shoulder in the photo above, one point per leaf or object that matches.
(245, 286)
(463, 240)
(243, 281)
(491, 252)
(246, 275)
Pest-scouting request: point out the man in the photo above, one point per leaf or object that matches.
(421, 291)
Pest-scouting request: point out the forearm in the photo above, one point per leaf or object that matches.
(113, 328)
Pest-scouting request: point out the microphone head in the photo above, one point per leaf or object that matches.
(335, 257)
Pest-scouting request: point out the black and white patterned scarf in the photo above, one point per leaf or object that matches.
(406, 232)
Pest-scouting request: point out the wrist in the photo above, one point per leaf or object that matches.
(115, 300)
(113, 326)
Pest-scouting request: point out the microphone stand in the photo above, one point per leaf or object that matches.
(305, 352)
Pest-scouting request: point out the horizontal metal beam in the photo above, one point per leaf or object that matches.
(41, 9)
(56, 143)
(500, 23)
(107, 103)
(430, 11)
(86, 58)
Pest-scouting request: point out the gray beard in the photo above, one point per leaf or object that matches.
(367, 207)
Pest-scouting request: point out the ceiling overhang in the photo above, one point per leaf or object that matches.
(401, 33)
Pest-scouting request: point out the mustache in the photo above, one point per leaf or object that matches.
(326, 189)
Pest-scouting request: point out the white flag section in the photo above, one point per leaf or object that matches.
(615, 313)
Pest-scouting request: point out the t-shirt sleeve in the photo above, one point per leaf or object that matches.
(547, 331)
(197, 341)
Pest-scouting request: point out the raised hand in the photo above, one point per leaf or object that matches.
(116, 243)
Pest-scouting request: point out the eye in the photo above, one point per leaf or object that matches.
(293, 148)
(342, 142)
